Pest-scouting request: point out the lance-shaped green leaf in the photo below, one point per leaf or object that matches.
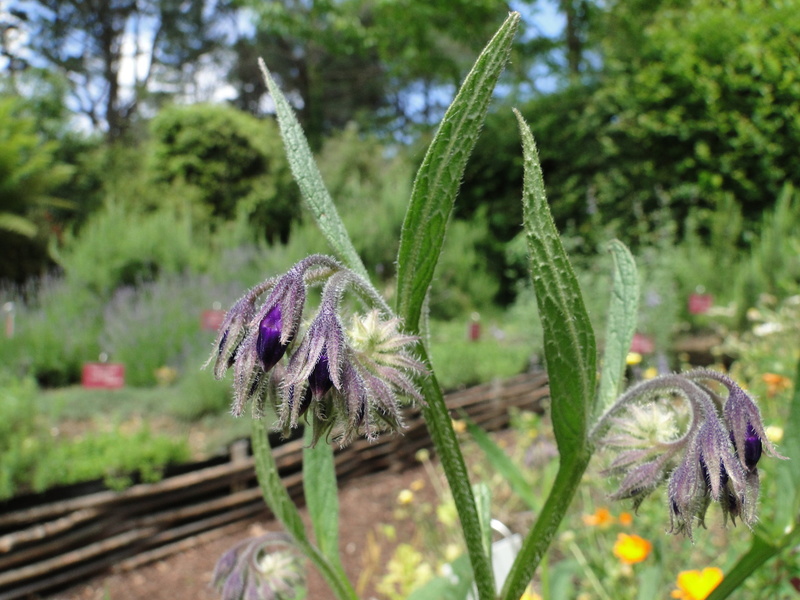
(272, 488)
(308, 177)
(569, 345)
(432, 200)
(440, 174)
(571, 360)
(760, 552)
(621, 325)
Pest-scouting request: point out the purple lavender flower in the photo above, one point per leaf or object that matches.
(743, 420)
(712, 458)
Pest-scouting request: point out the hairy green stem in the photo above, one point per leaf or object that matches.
(284, 509)
(440, 427)
(760, 552)
(539, 538)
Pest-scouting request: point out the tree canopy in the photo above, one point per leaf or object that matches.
(116, 55)
(696, 108)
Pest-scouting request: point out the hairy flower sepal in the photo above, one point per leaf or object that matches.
(698, 456)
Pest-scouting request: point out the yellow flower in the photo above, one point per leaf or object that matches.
(417, 485)
(633, 358)
(459, 426)
(697, 585)
(600, 518)
(774, 433)
(530, 595)
(650, 373)
(405, 497)
(452, 552)
(631, 549)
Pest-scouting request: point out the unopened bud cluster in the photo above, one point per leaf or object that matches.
(344, 381)
(267, 567)
(698, 432)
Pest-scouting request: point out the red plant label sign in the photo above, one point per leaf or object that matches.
(700, 303)
(211, 320)
(108, 376)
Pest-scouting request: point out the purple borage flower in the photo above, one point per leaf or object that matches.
(698, 432)
(341, 381)
(268, 567)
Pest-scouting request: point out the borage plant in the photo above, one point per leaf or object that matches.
(348, 372)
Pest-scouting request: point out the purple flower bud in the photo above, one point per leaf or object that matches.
(268, 345)
(723, 475)
(752, 448)
(320, 381)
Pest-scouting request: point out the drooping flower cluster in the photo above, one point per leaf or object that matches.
(699, 432)
(343, 381)
(267, 567)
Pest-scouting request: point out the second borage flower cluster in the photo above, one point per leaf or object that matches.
(699, 432)
(347, 381)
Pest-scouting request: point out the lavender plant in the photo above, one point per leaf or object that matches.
(347, 381)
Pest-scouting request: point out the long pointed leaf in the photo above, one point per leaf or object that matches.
(440, 174)
(760, 552)
(272, 488)
(432, 200)
(308, 177)
(569, 344)
(571, 361)
(621, 325)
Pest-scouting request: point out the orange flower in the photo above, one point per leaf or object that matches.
(697, 585)
(601, 518)
(631, 549)
(625, 518)
(776, 383)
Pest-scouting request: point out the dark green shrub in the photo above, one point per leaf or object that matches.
(232, 160)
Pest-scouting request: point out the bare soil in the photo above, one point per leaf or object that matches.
(365, 503)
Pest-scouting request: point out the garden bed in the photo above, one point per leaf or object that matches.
(60, 542)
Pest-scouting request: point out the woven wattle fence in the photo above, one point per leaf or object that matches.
(51, 544)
